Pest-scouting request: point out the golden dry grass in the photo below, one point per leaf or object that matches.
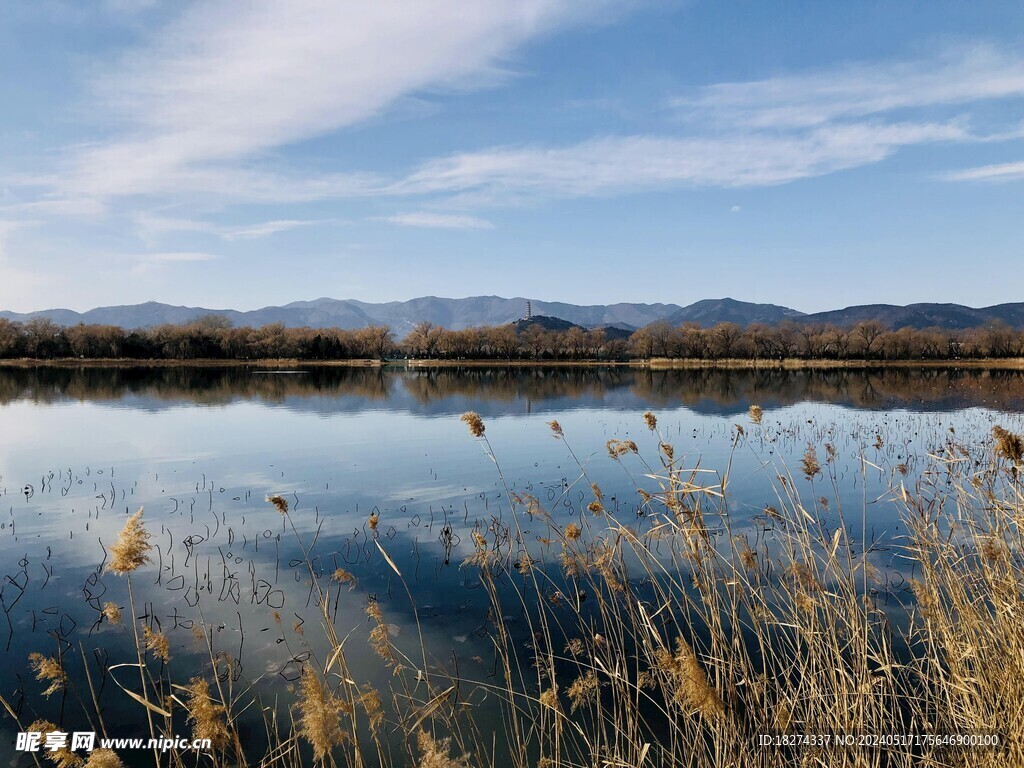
(676, 642)
(131, 549)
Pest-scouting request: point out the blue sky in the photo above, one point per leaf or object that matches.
(814, 154)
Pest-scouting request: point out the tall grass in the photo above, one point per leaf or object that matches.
(673, 636)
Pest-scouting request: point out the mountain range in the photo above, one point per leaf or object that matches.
(455, 314)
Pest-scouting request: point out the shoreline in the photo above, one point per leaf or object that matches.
(653, 364)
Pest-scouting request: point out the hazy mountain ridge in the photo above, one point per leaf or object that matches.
(456, 314)
(926, 315)
(712, 311)
(401, 316)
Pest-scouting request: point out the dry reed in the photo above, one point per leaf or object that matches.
(674, 637)
(131, 549)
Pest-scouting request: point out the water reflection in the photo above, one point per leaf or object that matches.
(502, 390)
(200, 448)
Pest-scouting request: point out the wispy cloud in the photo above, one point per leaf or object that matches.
(959, 75)
(438, 221)
(996, 172)
(210, 100)
(634, 163)
(152, 227)
(147, 263)
(172, 257)
(231, 81)
(757, 133)
(267, 228)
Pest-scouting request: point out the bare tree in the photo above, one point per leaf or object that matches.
(869, 331)
(663, 338)
(536, 339)
(724, 338)
(641, 344)
(424, 338)
(375, 341)
(505, 342)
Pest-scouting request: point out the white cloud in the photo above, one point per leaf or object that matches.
(996, 172)
(147, 263)
(175, 257)
(58, 206)
(209, 100)
(757, 133)
(438, 221)
(634, 163)
(267, 228)
(152, 227)
(960, 75)
(231, 81)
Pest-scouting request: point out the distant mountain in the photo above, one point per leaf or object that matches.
(711, 311)
(949, 316)
(617, 319)
(616, 331)
(401, 316)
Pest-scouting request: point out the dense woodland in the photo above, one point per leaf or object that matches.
(212, 337)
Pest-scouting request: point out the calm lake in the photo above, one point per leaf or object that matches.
(201, 448)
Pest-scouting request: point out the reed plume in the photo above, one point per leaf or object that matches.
(131, 550)
(370, 701)
(61, 757)
(756, 414)
(380, 635)
(482, 555)
(48, 670)
(691, 681)
(112, 613)
(280, 503)
(103, 758)
(618, 448)
(583, 690)
(1008, 445)
(474, 422)
(434, 753)
(549, 699)
(320, 715)
(809, 463)
(157, 643)
(207, 717)
(342, 576)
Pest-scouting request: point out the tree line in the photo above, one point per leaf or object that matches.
(213, 337)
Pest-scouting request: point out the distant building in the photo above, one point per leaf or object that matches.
(529, 311)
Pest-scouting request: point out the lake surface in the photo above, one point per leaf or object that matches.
(201, 448)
